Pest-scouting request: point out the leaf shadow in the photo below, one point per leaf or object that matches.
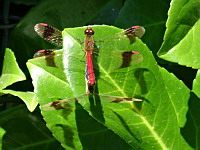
(68, 131)
(135, 135)
(139, 74)
(131, 38)
(68, 135)
(191, 129)
(92, 133)
(145, 107)
(95, 106)
(50, 60)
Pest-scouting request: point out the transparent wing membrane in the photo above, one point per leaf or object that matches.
(65, 103)
(49, 33)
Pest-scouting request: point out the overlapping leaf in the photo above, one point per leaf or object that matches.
(182, 35)
(11, 73)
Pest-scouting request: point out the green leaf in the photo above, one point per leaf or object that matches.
(25, 130)
(179, 95)
(29, 98)
(151, 124)
(146, 83)
(2, 132)
(182, 35)
(196, 85)
(50, 83)
(11, 72)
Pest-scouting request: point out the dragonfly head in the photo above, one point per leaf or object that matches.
(89, 31)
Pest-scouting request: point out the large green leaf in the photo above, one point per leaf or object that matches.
(181, 41)
(25, 130)
(71, 126)
(151, 124)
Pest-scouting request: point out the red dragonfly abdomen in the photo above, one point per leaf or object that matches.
(90, 76)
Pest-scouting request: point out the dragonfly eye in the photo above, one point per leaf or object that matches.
(89, 31)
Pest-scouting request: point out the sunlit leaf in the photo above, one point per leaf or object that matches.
(2, 132)
(179, 101)
(181, 41)
(29, 98)
(11, 72)
(196, 84)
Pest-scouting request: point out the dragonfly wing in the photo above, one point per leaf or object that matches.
(130, 58)
(137, 31)
(119, 99)
(111, 61)
(49, 33)
(46, 52)
(65, 103)
(62, 104)
(142, 107)
(57, 105)
(116, 50)
(130, 33)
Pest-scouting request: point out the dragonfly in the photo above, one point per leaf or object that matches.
(54, 36)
